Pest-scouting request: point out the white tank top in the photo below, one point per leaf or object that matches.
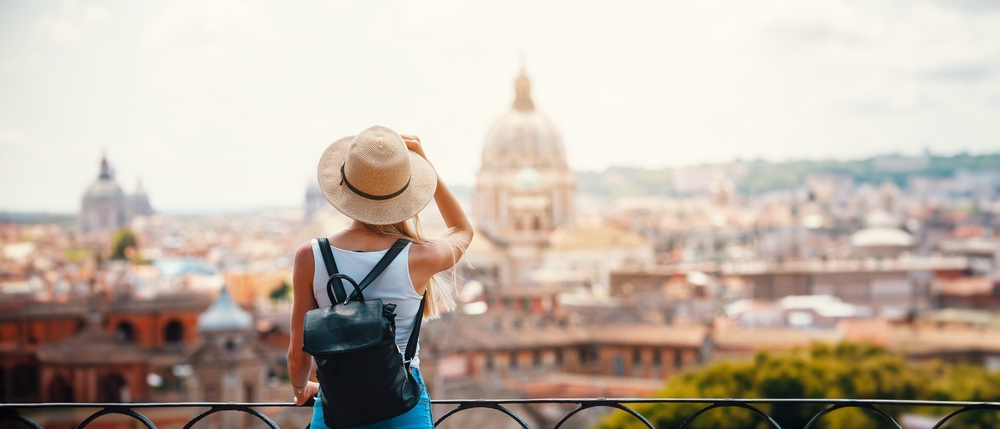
(392, 286)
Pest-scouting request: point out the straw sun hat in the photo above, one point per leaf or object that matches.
(373, 178)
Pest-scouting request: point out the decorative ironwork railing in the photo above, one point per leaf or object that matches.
(15, 412)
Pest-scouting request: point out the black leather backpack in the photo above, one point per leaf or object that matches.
(363, 375)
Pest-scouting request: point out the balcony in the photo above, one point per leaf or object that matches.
(774, 412)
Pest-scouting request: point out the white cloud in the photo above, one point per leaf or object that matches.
(11, 138)
(72, 22)
(193, 20)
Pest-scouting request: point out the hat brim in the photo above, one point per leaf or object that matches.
(419, 193)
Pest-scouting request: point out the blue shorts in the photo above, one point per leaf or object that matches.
(419, 417)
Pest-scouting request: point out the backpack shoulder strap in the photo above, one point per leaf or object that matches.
(411, 344)
(382, 264)
(334, 285)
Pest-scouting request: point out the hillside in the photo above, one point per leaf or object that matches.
(762, 176)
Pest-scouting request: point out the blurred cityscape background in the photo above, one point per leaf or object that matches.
(624, 241)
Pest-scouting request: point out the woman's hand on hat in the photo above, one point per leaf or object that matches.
(413, 143)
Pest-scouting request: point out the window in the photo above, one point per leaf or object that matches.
(125, 332)
(212, 393)
(619, 366)
(112, 388)
(25, 377)
(513, 360)
(489, 362)
(60, 390)
(173, 333)
(678, 359)
(588, 355)
(536, 358)
(559, 357)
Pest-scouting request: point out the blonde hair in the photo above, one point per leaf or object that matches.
(442, 286)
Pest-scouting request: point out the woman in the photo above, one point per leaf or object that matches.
(381, 180)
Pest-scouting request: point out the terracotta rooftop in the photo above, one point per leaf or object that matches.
(92, 346)
(967, 286)
(846, 265)
(737, 338)
(925, 340)
(180, 303)
(509, 331)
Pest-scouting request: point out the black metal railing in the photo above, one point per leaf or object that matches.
(16, 412)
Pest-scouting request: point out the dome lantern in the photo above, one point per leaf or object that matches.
(522, 91)
(105, 169)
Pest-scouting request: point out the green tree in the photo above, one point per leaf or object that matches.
(846, 370)
(123, 240)
(283, 291)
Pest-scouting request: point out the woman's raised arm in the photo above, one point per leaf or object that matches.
(436, 258)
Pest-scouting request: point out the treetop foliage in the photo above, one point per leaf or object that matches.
(122, 240)
(842, 371)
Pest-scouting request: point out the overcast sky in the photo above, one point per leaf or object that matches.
(228, 104)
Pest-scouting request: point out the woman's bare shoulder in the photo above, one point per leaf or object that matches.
(435, 255)
(304, 255)
(423, 250)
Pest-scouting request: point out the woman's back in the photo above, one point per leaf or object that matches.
(393, 286)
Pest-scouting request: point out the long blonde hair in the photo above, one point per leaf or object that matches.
(442, 286)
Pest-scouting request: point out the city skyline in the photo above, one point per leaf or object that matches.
(227, 106)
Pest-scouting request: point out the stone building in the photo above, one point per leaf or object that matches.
(891, 287)
(543, 356)
(106, 207)
(169, 349)
(94, 350)
(93, 366)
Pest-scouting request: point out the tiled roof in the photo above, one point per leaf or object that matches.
(496, 331)
(180, 303)
(925, 340)
(967, 286)
(737, 338)
(92, 346)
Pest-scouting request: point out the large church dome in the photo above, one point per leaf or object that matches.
(105, 187)
(107, 208)
(523, 137)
